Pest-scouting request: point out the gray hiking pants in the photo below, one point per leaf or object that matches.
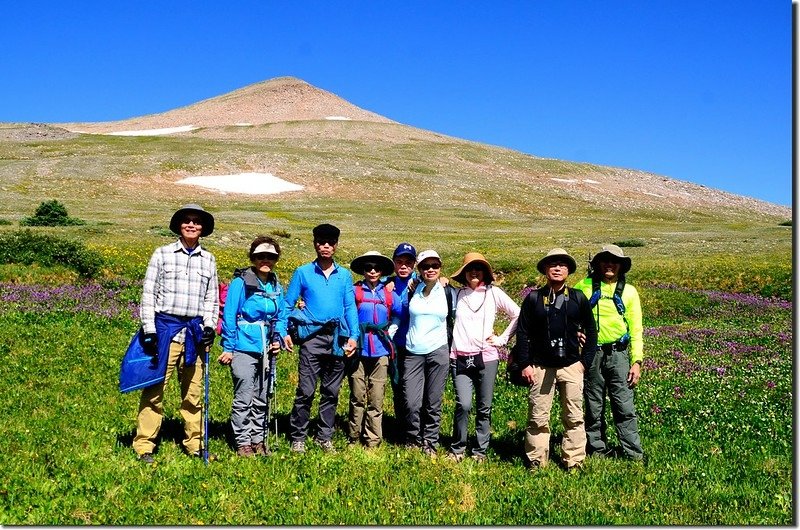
(317, 362)
(424, 379)
(609, 371)
(249, 409)
(482, 382)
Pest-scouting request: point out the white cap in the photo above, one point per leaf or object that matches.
(265, 247)
(426, 254)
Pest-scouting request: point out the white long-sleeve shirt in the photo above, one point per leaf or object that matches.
(475, 316)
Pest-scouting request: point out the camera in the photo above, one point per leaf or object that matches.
(557, 348)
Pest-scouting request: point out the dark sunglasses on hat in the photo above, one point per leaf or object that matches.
(262, 256)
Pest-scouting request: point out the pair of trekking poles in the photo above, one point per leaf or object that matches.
(271, 378)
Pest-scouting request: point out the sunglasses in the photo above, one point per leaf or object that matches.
(470, 268)
(264, 256)
(425, 266)
(192, 220)
(371, 267)
(329, 242)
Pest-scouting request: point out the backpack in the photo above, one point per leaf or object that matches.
(387, 297)
(596, 294)
(513, 370)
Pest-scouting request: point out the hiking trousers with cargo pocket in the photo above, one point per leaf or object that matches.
(609, 371)
(151, 406)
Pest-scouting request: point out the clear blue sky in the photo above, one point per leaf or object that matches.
(695, 90)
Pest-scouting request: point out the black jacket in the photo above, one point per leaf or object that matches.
(533, 339)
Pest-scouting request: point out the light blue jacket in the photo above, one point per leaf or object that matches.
(250, 307)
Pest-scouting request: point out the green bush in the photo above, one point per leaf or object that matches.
(5, 222)
(27, 247)
(51, 213)
(629, 243)
(785, 223)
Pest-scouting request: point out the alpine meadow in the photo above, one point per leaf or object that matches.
(713, 269)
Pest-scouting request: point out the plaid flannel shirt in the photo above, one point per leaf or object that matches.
(180, 284)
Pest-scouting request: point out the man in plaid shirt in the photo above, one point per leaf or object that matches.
(179, 311)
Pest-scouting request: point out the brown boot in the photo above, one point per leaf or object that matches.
(245, 451)
(260, 449)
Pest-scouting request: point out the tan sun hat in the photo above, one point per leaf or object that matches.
(616, 252)
(385, 264)
(473, 257)
(557, 253)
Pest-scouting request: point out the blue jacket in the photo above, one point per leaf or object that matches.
(401, 289)
(249, 304)
(373, 318)
(326, 299)
(139, 370)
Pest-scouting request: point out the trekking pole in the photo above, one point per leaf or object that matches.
(271, 397)
(206, 384)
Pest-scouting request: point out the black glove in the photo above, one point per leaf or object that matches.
(208, 336)
(150, 344)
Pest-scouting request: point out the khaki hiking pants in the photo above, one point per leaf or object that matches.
(151, 409)
(540, 400)
(367, 389)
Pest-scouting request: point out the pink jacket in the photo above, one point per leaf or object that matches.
(475, 316)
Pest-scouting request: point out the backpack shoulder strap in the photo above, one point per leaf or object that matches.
(387, 296)
(618, 295)
(359, 289)
(595, 292)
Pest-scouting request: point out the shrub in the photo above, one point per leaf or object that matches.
(785, 223)
(5, 222)
(27, 247)
(281, 233)
(51, 213)
(629, 243)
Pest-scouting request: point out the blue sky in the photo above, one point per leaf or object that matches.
(693, 90)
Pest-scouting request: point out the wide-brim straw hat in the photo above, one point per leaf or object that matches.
(557, 253)
(385, 264)
(617, 254)
(206, 218)
(473, 257)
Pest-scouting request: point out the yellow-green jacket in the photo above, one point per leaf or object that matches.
(610, 324)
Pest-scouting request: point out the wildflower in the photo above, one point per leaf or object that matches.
(655, 409)
(770, 384)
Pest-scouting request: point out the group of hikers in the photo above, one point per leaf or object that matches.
(402, 321)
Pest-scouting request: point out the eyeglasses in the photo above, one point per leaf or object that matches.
(329, 242)
(473, 267)
(371, 267)
(425, 266)
(265, 256)
(192, 220)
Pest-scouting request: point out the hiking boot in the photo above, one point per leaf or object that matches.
(575, 468)
(479, 459)
(455, 457)
(245, 451)
(147, 458)
(325, 445)
(429, 450)
(411, 446)
(298, 446)
(260, 449)
(534, 466)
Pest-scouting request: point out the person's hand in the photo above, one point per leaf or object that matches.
(529, 375)
(225, 358)
(288, 341)
(392, 330)
(634, 374)
(444, 281)
(275, 347)
(350, 347)
(150, 344)
(208, 336)
(494, 340)
(301, 304)
(581, 338)
(390, 285)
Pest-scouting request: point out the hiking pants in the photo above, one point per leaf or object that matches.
(367, 389)
(249, 409)
(397, 394)
(316, 362)
(540, 400)
(609, 371)
(424, 379)
(482, 383)
(151, 406)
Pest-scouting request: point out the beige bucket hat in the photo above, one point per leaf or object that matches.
(473, 257)
(385, 264)
(557, 253)
(617, 254)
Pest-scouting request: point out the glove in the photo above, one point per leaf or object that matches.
(208, 336)
(150, 344)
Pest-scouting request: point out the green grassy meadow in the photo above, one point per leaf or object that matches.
(715, 402)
